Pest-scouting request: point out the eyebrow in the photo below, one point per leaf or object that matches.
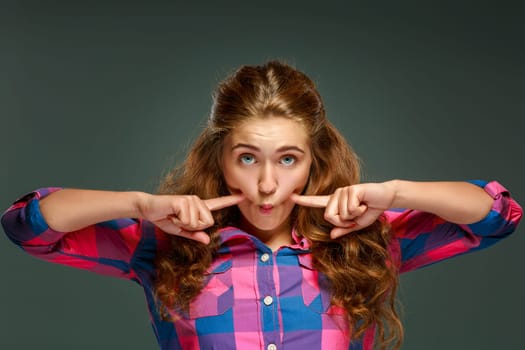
(280, 149)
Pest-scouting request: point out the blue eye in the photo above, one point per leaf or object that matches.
(287, 160)
(247, 159)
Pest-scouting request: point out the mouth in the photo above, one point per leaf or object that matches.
(265, 208)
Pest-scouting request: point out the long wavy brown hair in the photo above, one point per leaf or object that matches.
(362, 276)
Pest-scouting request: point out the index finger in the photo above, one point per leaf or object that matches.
(223, 202)
(310, 201)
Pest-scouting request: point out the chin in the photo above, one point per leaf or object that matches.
(264, 224)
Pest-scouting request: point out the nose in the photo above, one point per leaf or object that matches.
(267, 180)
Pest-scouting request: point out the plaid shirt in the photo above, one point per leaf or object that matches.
(253, 298)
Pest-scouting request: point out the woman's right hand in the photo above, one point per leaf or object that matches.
(184, 215)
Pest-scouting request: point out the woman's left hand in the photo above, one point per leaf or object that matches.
(351, 208)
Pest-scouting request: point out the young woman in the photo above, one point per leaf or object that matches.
(264, 238)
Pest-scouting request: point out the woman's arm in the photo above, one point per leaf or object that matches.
(72, 209)
(101, 231)
(424, 238)
(353, 207)
(107, 247)
(457, 202)
(69, 210)
(439, 219)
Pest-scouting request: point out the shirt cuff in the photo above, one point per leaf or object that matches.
(32, 213)
(502, 217)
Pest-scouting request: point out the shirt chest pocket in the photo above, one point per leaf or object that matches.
(217, 295)
(315, 290)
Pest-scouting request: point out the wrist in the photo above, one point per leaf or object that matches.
(139, 201)
(394, 188)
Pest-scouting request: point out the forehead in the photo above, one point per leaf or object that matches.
(275, 130)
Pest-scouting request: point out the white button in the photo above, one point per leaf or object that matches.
(272, 347)
(265, 257)
(268, 300)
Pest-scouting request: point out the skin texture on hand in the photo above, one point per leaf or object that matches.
(351, 208)
(185, 216)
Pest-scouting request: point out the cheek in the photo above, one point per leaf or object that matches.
(246, 185)
(289, 184)
(239, 181)
(294, 182)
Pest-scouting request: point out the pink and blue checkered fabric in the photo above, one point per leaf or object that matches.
(253, 298)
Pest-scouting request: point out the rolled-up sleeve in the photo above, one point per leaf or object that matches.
(423, 238)
(107, 248)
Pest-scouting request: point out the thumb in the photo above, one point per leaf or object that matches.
(337, 232)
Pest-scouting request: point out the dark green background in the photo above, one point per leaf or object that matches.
(109, 97)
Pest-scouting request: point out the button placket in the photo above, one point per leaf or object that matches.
(267, 294)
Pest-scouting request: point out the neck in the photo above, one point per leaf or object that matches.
(274, 239)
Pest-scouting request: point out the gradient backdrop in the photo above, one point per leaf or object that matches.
(109, 97)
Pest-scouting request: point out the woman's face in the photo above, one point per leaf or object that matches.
(267, 160)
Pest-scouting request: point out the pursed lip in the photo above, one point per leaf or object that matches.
(266, 208)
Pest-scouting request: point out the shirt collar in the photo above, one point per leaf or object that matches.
(231, 233)
(300, 241)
